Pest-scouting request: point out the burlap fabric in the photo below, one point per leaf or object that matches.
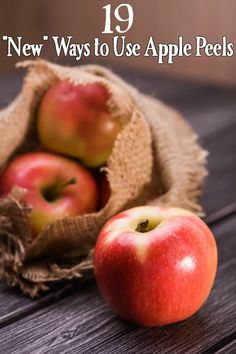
(155, 160)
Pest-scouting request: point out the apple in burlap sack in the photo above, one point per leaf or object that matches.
(154, 151)
(74, 120)
(56, 187)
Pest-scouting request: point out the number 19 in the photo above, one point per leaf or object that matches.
(129, 19)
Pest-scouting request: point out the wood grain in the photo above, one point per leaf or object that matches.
(227, 349)
(11, 300)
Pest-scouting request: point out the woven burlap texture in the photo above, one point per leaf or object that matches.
(155, 160)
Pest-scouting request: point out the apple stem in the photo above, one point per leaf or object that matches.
(52, 194)
(142, 226)
(68, 183)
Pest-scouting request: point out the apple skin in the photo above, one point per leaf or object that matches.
(39, 172)
(160, 276)
(74, 120)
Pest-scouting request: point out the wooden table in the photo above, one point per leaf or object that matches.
(74, 319)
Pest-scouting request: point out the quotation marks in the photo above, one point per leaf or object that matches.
(45, 38)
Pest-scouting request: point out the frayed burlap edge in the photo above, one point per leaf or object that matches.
(179, 160)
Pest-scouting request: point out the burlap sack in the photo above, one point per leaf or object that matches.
(155, 160)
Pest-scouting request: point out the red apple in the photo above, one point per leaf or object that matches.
(57, 187)
(74, 120)
(155, 266)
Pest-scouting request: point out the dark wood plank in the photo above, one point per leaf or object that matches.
(207, 108)
(11, 300)
(82, 323)
(221, 214)
(227, 349)
(220, 187)
(10, 86)
(17, 305)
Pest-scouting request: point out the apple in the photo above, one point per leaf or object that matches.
(56, 187)
(74, 120)
(155, 265)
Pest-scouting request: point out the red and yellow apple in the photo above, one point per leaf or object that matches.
(74, 120)
(155, 266)
(56, 187)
